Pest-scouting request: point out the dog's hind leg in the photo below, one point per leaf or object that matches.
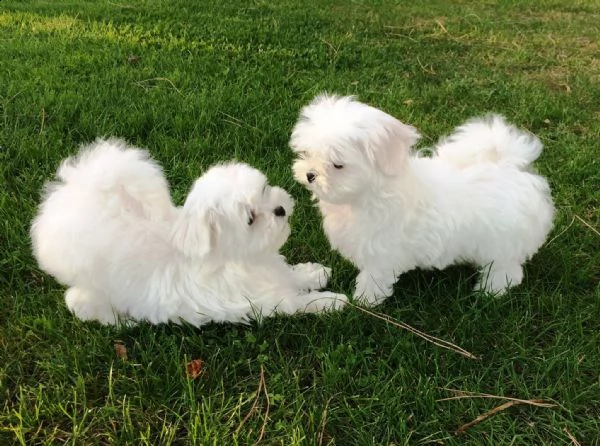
(497, 277)
(88, 306)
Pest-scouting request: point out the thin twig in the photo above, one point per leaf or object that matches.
(141, 83)
(253, 408)
(43, 120)
(586, 224)
(484, 416)
(571, 437)
(334, 49)
(440, 24)
(424, 68)
(266, 416)
(262, 387)
(436, 341)
(236, 121)
(561, 232)
(466, 394)
(509, 403)
(323, 421)
(121, 5)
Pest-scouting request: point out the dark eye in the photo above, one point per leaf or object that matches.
(251, 218)
(338, 166)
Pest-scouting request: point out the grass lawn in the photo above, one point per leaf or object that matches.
(200, 82)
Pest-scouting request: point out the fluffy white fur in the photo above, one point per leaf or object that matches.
(108, 230)
(389, 211)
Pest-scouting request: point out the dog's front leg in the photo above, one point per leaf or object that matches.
(320, 301)
(310, 276)
(310, 302)
(372, 287)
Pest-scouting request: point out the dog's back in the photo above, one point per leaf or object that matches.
(489, 139)
(99, 194)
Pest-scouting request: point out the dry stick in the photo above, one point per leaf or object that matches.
(164, 79)
(266, 416)
(488, 414)
(436, 341)
(466, 394)
(440, 24)
(511, 402)
(571, 437)
(323, 421)
(43, 120)
(254, 404)
(561, 232)
(586, 224)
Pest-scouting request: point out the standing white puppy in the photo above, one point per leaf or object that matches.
(108, 230)
(389, 211)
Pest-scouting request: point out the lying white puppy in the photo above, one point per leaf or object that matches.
(108, 230)
(390, 211)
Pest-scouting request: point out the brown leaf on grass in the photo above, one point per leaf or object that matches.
(133, 59)
(194, 368)
(121, 351)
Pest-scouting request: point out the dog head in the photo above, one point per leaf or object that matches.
(232, 213)
(344, 146)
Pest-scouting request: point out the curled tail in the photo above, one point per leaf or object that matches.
(105, 188)
(489, 139)
(129, 179)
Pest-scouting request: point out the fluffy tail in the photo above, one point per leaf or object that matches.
(105, 188)
(490, 139)
(129, 179)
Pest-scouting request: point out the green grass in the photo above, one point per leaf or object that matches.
(201, 82)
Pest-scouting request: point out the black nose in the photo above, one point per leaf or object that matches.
(279, 211)
(310, 177)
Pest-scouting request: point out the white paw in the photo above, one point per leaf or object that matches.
(370, 292)
(313, 276)
(83, 305)
(326, 301)
(496, 280)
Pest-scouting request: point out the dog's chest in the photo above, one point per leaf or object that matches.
(343, 229)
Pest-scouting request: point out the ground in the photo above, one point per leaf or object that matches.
(200, 82)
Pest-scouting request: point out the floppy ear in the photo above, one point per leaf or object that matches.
(192, 233)
(392, 146)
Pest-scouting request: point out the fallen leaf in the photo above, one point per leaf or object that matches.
(133, 59)
(121, 351)
(194, 368)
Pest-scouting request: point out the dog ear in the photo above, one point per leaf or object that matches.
(390, 150)
(192, 233)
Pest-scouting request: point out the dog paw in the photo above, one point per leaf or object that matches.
(312, 276)
(83, 305)
(497, 278)
(325, 301)
(371, 292)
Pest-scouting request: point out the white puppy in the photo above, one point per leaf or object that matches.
(108, 230)
(389, 211)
